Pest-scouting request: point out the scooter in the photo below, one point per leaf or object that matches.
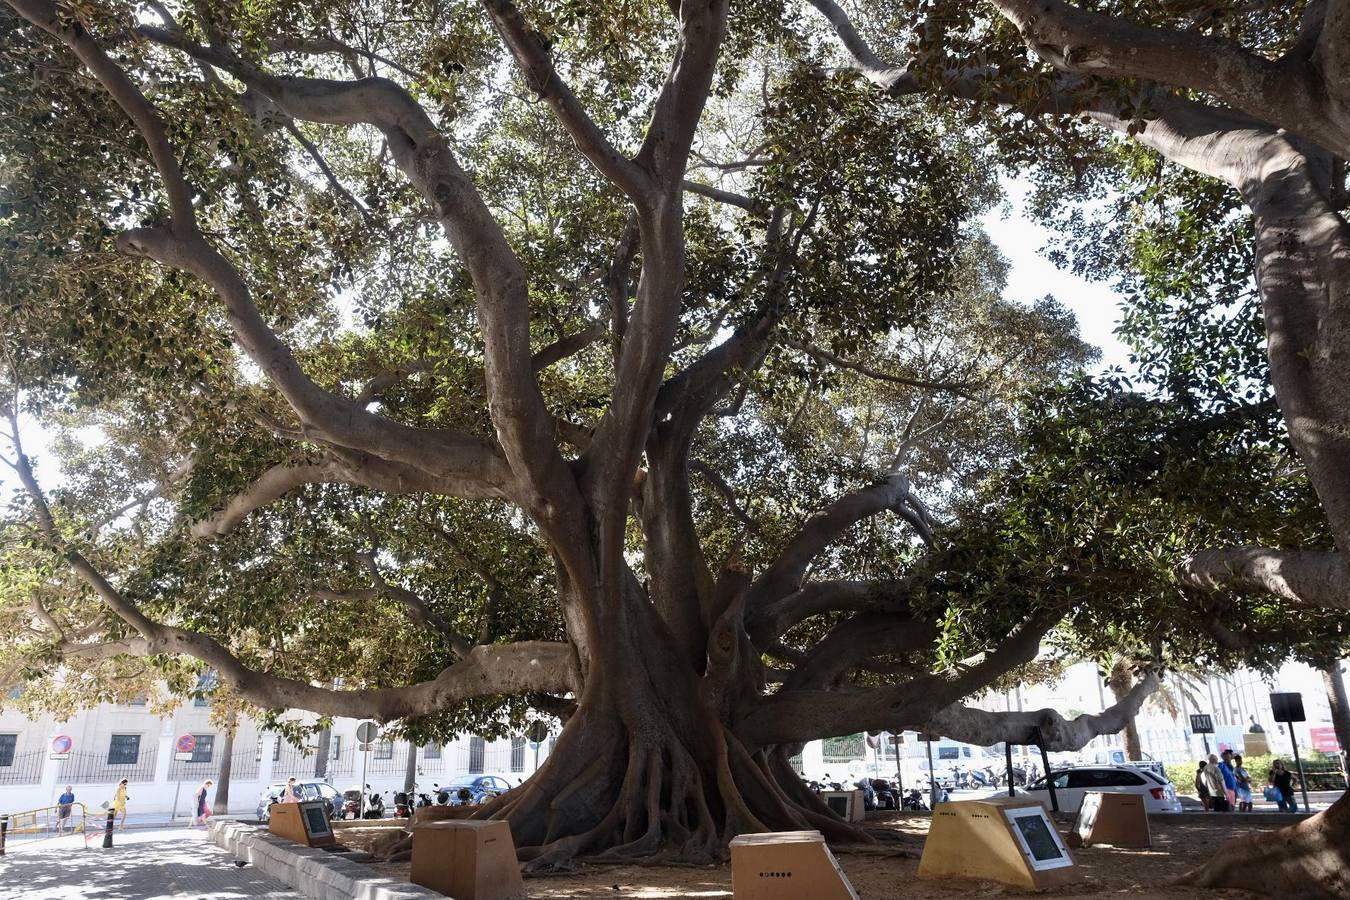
(913, 801)
(374, 805)
(885, 795)
(402, 805)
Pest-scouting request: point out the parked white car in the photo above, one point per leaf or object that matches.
(1071, 784)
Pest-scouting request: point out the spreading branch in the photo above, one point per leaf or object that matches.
(1305, 578)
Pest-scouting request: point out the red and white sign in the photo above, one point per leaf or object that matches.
(61, 745)
(1323, 737)
(183, 747)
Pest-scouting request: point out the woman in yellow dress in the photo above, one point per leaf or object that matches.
(119, 804)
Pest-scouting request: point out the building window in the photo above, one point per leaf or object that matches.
(206, 744)
(431, 751)
(384, 750)
(7, 744)
(124, 749)
(335, 747)
(276, 749)
(206, 685)
(517, 754)
(477, 753)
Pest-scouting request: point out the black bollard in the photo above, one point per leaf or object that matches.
(108, 829)
(4, 827)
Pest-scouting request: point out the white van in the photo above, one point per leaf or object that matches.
(948, 756)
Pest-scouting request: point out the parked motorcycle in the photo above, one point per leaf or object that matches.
(885, 794)
(374, 805)
(869, 795)
(402, 805)
(351, 804)
(913, 801)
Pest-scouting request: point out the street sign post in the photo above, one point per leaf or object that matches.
(1203, 725)
(1287, 708)
(184, 747)
(366, 733)
(61, 745)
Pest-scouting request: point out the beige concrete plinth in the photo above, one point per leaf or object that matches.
(468, 859)
(1005, 839)
(786, 865)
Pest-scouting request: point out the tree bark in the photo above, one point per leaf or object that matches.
(321, 752)
(1121, 681)
(410, 770)
(222, 802)
(1340, 708)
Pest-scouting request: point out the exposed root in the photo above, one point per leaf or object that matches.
(1309, 860)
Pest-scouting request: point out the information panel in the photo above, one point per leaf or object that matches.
(1038, 838)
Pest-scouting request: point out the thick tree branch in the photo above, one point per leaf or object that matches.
(1305, 578)
(978, 726)
(544, 80)
(816, 597)
(1290, 93)
(568, 345)
(784, 575)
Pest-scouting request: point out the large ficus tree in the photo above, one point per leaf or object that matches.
(625, 361)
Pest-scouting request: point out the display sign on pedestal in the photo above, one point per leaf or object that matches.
(786, 865)
(305, 823)
(1120, 820)
(468, 859)
(1010, 840)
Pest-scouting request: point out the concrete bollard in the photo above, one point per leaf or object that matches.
(108, 829)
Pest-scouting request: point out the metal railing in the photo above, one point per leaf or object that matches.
(42, 823)
(94, 768)
(24, 768)
(243, 767)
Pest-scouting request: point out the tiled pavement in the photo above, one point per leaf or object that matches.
(142, 865)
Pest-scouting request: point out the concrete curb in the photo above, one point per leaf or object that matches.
(314, 873)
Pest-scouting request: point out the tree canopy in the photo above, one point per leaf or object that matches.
(646, 365)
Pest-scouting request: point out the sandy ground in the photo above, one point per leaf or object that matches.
(891, 870)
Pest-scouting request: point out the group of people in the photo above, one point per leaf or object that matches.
(1224, 784)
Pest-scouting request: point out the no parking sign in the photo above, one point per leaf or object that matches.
(61, 745)
(184, 747)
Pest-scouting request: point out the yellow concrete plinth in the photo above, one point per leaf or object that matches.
(1120, 820)
(305, 823)
(468, 859)
(786, 865)
(1005, 839)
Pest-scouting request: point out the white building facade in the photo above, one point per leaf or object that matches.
(112, 742)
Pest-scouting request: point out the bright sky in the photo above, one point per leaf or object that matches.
(1033, 276)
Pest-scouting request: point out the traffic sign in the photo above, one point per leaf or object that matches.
(537, 733)
(61, 745)
(183, 747)
(1287, 707)
(366, 732)
(1202, 724)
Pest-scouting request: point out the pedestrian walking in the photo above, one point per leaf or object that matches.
(119, 804)
(65, 804)
(201, 809)
(1229, 778)
(1202, 784)
(1244, 785)
(1218, 797)
(1283, 781)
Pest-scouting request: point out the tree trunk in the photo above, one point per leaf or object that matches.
(1121, 681)
(1306, 861)
(1340, 711)
(410, 771)
(650, 766)
(222, 801)
(325, 746)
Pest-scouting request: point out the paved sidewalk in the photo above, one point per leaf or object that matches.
(142, 865)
